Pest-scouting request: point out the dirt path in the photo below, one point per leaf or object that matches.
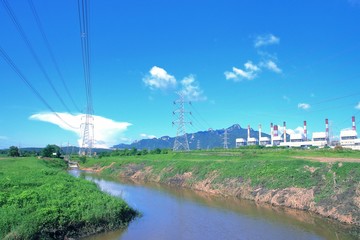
(329, 159)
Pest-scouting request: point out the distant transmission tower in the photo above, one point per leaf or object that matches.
(198, 145)
(88, 135)
(226, 139)
(181, 142)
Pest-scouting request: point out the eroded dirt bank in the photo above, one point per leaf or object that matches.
(340, 203)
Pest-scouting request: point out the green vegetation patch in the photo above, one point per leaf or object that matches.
(39, 200)
(270, 168)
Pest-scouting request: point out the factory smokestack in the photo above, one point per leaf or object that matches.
(327, 129)
(259, 132)
(305, 131)
(353, 123)
(272, 133)
(275, 130)
(284, 132)
(248, 132)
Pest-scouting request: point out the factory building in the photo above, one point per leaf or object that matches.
(276, 139)
(239, 142)
(251, 141)
(319, 139)
(348, 137)
(263, 141)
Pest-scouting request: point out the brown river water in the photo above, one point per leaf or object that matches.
(175, 213)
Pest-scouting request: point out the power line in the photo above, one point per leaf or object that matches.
(83, 11)
(33, 53)
(48, 46)
(23, 78)
(88, 125)
(198, 113)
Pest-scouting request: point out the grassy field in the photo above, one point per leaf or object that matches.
(39, 200)
(270, 168)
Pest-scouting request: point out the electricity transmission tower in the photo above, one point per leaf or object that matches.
(88, 125)
(198, 145)
(181, 142)
(87, 128)
(226, 139)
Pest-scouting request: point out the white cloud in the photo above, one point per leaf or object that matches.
(159, 79)
(271, 65)
(191, 89)
(286, 98)
(144, 135)
(107, 132)
(304, 106)
(298, 130)
(358, 106)
(242, 73)
(265, 40)
(237, 74)
(230, 75)
(251, 67)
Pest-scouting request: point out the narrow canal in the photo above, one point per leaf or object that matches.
(173, 213)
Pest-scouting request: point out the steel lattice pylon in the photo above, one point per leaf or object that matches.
(181, 142)
(88, 136)
(226, 139)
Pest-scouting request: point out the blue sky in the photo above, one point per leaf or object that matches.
(246, 62)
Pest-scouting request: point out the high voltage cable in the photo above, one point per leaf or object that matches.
(83, 12)
(200, 124)
(88, 134)
(26, 40)
(336, 98)
(23, 78)
(198, 113)
(38, 22)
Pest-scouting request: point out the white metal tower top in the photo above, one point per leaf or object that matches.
(181, 142)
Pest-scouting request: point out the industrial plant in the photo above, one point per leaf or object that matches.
(348, 138)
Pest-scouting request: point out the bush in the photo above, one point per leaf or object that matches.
(40, 201)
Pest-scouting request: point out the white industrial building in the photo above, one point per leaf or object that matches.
(251, 141)
(348, 138)
(240, 142)
(265, 141)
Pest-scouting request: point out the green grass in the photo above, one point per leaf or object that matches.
(39, 200)
(270, 168)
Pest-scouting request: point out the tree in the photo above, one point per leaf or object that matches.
(14, 151)
(156, 151)
(51, 150)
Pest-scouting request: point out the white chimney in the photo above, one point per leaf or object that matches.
(275, 130)
(353, 123)
(272, 133)
(327, 129)
(259, 133)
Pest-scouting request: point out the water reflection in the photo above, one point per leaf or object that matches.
(173, 213)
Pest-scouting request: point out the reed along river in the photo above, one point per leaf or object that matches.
(174, 213)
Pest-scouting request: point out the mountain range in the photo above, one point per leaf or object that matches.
(199, 140)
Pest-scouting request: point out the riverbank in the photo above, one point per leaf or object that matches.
(280, 177)
(39, 200)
